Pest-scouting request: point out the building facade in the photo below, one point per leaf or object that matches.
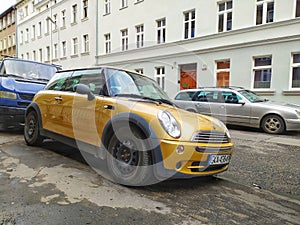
(57, 31)
(188, 44)
(181, 44)
(8, 33)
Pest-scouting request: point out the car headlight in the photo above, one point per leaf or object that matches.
(298, 113)
(169, 123)
(7, 94)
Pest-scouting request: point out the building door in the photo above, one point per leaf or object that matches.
(223, 73)
(188, 76)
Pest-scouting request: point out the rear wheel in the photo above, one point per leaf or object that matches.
(273, 124)
(129, 161)
(31, 130)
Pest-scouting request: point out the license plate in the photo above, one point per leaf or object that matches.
(218, 159)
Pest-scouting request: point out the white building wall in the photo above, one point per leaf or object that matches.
(47, 8)
(245, 41)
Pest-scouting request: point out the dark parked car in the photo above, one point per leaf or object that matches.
(239, 106)
(19, 81)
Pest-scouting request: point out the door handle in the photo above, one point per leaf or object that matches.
(58, 98)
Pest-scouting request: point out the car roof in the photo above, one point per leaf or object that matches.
(26, 60)
(236, 88)
(100, 67)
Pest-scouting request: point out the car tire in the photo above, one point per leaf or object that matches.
(128, 160)
(31, 130)
(273, 124)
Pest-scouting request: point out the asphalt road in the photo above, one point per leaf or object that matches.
(54, 185)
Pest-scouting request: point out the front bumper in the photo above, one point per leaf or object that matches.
(195, 159)
(292, 124)
(11, 117)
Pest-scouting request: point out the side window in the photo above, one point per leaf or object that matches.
(185, 96)
(95, 79)
(231, 97)
(201, 97)
(58, 81)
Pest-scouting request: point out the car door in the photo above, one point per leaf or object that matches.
(87, 115)
(238, 111)
(210, 102)
(52, 104)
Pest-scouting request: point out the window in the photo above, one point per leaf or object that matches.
(85, 8)
(160, 76)
(41, 54)
(297, 8)
(223, 73)
(124, 36)
(21, 37)
(264, 11)
(74, 13)
(27, 35)
(296, 70)
(262, 72)
(64, 49)
(55, 53)
(86, 43)
(48, 53)
(124, 3)
(225, 16)
(75, 46)
(106, 7)
(139, 36)
(40, 29)
(139, 70)
(47, 26)
(34, 55)
(63, 18)
(189, 24)
(161, 31)
(33, 32)
(54, 22)
(107, 43)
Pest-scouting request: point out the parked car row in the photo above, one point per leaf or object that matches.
(127, 121)
(239, 106)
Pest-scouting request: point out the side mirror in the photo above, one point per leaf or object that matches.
(84, 90)
(242, 102)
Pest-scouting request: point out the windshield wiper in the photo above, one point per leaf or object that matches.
(160, 100)
(41, 79)
(11, 75)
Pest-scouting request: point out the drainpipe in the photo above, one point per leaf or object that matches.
(97, 35)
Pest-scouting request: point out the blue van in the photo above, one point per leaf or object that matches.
(19, 81)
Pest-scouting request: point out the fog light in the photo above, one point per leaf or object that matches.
(178, 165)
(179, 149)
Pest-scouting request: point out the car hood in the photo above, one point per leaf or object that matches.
(189, 122)
(275, 104)
(20, 85)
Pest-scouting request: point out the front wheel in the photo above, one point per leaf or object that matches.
(273, 124)
(129, 161)
(31, 130)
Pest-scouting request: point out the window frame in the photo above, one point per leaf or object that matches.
(225, 14)
(261, 68)
(264, 16)
(190, 32)
(294, 65)
(161, 29)
(139, 36)
(160, 76)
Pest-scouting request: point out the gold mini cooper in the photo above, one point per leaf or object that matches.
(127, 121)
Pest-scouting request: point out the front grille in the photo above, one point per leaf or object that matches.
(23, 104)
(210, 137)
(28, 97)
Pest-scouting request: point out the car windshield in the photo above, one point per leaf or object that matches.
(28, 69)
(130, 84)
(251, 96)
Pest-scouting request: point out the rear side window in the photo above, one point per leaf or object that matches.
(187, 95)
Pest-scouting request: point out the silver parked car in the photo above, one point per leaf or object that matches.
(239, 106)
